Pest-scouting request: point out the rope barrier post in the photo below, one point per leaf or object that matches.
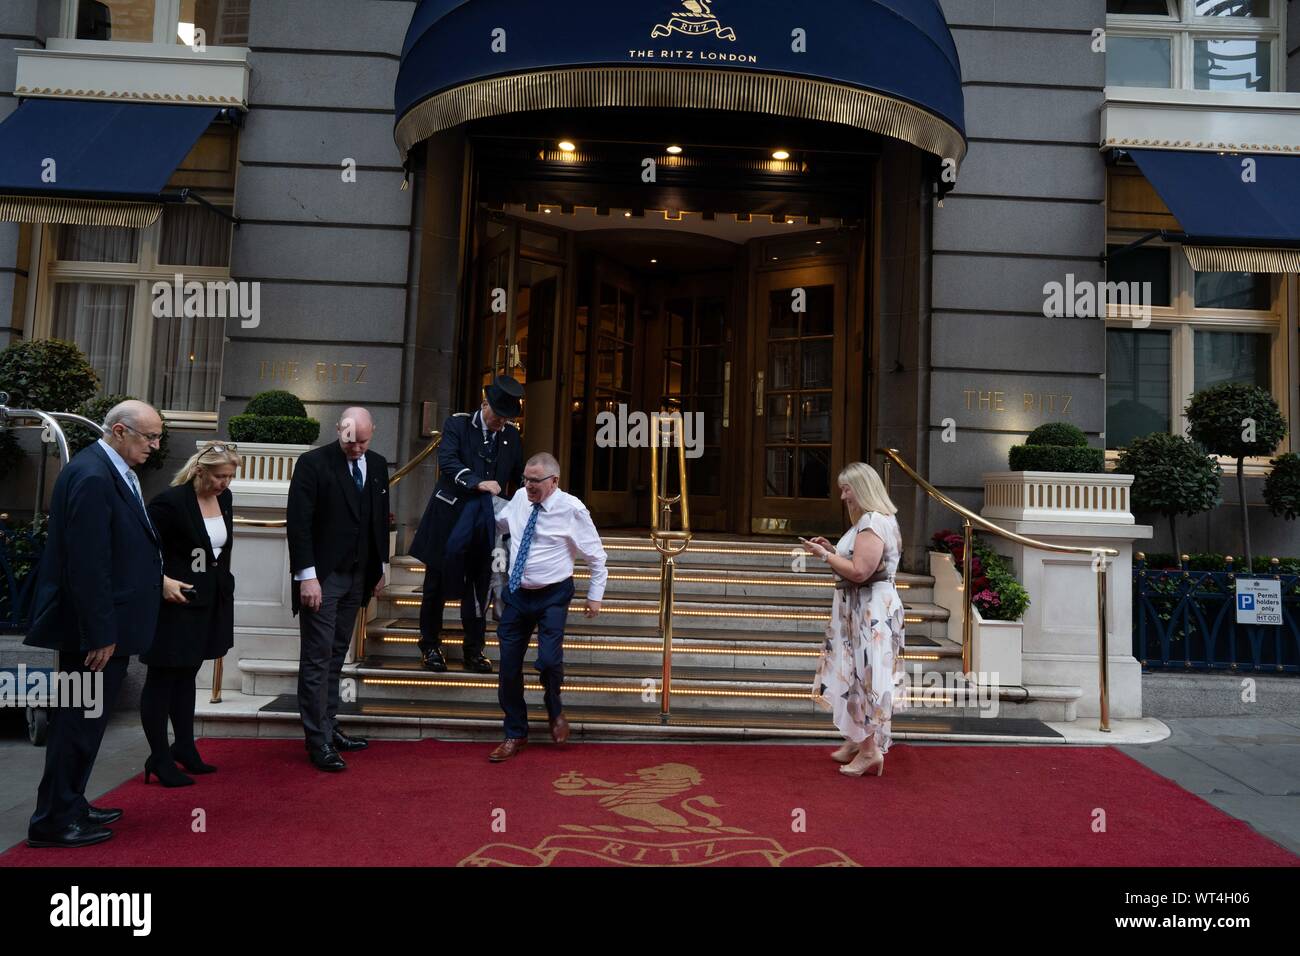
(1103, 663)
(967, 624)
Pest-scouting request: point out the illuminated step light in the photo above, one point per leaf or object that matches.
(655, 647)
(589, 688)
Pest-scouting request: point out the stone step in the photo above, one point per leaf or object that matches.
(625, 687)
(406, 718)
(589, 642)
(719, 612)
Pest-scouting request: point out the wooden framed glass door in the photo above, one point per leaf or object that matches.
(799, 399)
(610, 332)
(696, 345)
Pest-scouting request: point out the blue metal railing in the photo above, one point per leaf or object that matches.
(1186, 620)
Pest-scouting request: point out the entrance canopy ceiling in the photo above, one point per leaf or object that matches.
(888, 66)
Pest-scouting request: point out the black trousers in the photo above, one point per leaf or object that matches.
(168, 693)
(473, 610)
(71, 748)
(325, 636)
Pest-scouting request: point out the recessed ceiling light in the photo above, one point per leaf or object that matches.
(547, 210)
(628, 214)
(674, 150)
(653, 261)
(781, 154)
(567, 146)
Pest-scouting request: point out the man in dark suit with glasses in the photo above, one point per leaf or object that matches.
(481, 453)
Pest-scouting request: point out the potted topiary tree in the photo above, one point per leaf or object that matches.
(1172, 476)
(46, 374)
(271, 433)
(1237, 421)
(1282, 487)
(1056, 475)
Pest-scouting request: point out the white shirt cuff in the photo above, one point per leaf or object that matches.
(306, 574)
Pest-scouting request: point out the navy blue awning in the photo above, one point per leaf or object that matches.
(889, 66)
(88, 161)
(1236, 215)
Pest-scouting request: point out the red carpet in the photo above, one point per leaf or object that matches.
(429, 803)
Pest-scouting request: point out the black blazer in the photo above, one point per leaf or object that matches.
(325, 518)
(99, 581)
(462, 465)
(203, 629)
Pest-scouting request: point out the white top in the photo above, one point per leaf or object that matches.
(886, 528)
(216, 533)
(564, 530)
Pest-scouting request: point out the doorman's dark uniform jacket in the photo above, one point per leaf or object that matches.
(465, 460)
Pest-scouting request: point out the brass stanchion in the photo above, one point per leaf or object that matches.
(1103, 662)
(218, 672)
(967, 551)
(667, 542)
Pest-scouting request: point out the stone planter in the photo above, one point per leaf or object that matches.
(265, 468)
(995, 645)
(1060, 644)
(1057, 496)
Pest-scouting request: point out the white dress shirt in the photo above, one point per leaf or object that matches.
(307, 574)
(564, 530)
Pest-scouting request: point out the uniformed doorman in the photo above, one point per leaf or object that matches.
(480, 454)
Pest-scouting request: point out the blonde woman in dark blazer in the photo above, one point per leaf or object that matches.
(194, 522)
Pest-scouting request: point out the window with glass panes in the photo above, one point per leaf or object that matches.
(100, 295)
(215, 22)
(1206, 328)
(1213, 45)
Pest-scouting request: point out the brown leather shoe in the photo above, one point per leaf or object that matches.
(508, 748)
(559, 729)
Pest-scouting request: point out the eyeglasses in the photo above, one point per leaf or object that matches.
(221, 448)
(538, 481)
(150, 438)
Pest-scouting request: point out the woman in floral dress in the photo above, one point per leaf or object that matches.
(861, 678)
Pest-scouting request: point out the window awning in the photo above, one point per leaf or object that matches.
(1239, 212)
(889, 66)
(92, 162)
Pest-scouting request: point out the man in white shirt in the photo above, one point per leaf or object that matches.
(547, 528)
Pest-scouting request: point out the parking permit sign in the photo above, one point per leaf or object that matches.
(1259, 601)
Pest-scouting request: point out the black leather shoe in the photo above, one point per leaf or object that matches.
(478, 664)
(345, 743)
(102, 817)
(81, 833)
(434, 661)
(327, 758)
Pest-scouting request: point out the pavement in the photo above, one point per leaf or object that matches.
(1249, 767)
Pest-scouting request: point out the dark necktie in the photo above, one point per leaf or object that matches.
(356, 476)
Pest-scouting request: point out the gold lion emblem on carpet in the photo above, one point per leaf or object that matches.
(654, 801)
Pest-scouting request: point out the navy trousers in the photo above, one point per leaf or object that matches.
(71, 749)
(544, 610)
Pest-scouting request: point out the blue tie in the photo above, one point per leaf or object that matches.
(526, 542)
(356, 476)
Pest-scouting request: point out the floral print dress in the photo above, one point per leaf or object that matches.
(861, 678)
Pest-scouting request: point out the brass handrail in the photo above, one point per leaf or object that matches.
(414, 463)
(667, 542)
(969, 520)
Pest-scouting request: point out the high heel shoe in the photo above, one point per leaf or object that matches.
(862, 763)
(166, 772)
(846, 753)
(191, 761)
